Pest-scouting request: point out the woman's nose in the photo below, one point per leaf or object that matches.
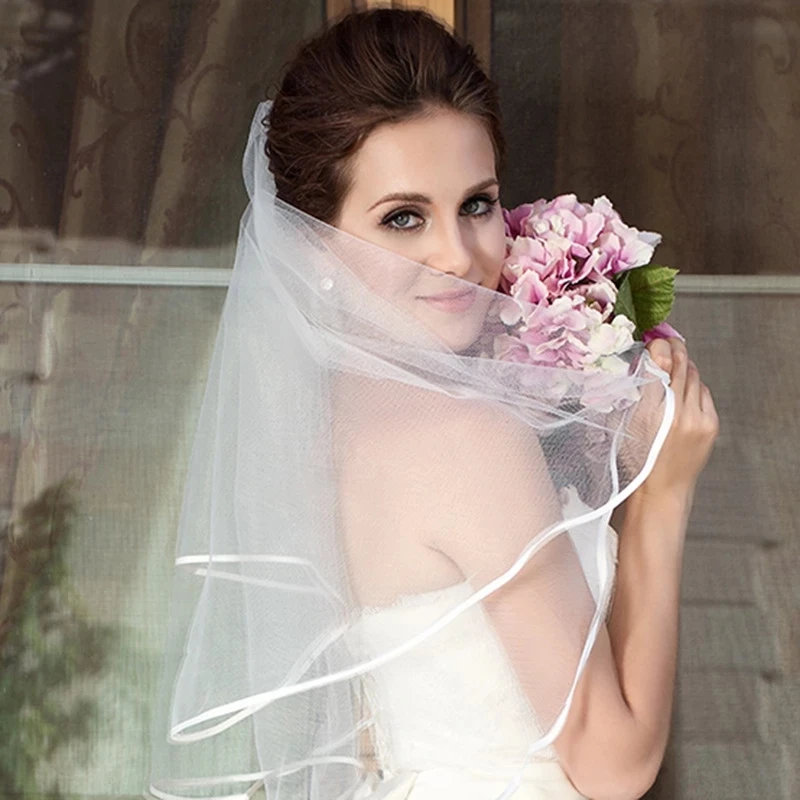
(452, 253)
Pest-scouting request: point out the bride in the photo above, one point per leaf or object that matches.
(406, 591)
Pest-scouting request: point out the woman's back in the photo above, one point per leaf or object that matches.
(390, 459)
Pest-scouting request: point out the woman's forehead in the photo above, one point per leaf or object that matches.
(440, 154)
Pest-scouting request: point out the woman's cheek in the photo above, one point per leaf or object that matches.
(394, 282)
(496, 254)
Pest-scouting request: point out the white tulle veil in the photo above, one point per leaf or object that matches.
(262, 686)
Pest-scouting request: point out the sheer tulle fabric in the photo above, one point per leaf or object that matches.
(265, 680)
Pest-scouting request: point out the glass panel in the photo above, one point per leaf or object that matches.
(100, 395)
(684, 114)
(124, 124)
(101, 388)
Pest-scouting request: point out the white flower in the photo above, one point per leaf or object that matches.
(611, 338)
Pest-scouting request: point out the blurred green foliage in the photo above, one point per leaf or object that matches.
(48, 647)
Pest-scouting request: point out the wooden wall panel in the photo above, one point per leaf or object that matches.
(444, 9)
(471, 18)
(335, 8)
(473, 21)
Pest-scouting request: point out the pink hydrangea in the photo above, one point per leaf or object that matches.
(514, 218)
(593, 238)
(549, 264)
(606, 388)
(561, 257)
(600, 294)
(568, 332)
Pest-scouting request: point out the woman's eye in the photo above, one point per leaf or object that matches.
(402, 221)
(477, 206)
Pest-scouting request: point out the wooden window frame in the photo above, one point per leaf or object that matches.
(471, 19)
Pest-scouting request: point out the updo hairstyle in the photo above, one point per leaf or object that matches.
(371, 68)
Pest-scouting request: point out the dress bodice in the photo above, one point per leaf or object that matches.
(454, 701)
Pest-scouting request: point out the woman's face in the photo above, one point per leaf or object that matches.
(426, 189)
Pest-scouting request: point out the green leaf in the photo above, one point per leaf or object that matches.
(624, 304)
(650, 292)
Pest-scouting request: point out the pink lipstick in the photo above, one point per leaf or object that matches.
(452, 302)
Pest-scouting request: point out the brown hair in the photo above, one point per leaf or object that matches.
(370, 68)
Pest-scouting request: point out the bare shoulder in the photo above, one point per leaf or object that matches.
(480, 483)
(471, 443)
(459, 477)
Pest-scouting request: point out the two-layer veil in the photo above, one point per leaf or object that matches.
(263, 688)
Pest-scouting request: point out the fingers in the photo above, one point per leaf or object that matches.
(709, 410)
(698, 405)
(680, 366)
(706, 400)
(661, 352)
(691, 394)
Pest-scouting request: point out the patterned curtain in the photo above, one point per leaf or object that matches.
(123, 126)
(690, 114)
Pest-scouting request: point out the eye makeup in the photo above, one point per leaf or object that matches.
(394, 219)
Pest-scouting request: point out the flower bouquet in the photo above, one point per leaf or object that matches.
(581, 287)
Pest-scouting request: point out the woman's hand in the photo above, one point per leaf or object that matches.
(694, 428)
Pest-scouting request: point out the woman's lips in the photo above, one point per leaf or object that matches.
(452, 302)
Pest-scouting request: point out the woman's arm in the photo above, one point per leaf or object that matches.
(642, 632)
(639, 646)
(614, 737)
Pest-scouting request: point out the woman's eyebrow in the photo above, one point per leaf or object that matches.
(479, 187)
(413, 197)
(406, 197)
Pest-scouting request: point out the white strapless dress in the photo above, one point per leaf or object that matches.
(450, 720)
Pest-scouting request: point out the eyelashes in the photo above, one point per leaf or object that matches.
(395, 220)
(490, 202)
